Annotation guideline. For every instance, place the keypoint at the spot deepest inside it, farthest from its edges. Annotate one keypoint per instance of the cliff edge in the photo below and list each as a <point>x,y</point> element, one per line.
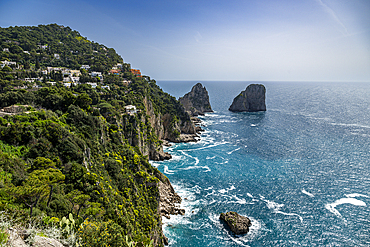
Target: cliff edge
<point>250,100</point>
<point>196,102</point>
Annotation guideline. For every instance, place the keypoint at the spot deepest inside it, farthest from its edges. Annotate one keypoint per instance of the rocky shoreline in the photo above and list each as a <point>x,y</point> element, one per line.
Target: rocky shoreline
<point>195,103</point>
<point>169,200</point>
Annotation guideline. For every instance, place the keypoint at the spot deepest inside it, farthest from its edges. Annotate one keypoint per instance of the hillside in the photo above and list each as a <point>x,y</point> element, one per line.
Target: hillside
<point>77,128</point>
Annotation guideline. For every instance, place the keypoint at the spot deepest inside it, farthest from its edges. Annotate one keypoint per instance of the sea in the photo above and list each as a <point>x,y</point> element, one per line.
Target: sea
<point>300,171</point>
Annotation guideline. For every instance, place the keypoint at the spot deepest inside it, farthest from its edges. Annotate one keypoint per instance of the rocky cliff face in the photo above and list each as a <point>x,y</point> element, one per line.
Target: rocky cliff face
<point>162,127</point>
<point>196,102</point>
<point>250,100</point>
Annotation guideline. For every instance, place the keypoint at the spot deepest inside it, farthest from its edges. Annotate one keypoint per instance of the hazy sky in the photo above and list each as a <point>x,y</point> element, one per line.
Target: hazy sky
<point>260,40</point>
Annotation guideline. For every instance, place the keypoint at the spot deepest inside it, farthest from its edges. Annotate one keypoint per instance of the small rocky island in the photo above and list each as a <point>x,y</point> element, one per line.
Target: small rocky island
<point>196,102</point>
<point>238,224</point>
<point>250,100</point>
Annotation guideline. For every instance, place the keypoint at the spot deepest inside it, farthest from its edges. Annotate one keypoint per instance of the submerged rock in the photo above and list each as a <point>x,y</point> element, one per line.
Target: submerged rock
<point>196,102</point>
<point>250,100</point>
<point>238,224</point>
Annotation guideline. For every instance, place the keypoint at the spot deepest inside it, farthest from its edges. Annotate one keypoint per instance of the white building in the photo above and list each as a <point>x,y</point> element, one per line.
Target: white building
<point>86,67</point>
<point>95,74</point>
<point>92,84</point>
<point>7,63</point>
<point>130,109</point>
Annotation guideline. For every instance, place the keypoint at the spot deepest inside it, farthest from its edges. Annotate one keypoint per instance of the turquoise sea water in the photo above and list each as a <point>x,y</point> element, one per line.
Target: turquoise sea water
<point>299,171</point>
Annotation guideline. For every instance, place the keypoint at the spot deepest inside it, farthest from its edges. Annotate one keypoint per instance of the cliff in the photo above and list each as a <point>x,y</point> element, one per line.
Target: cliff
<point>78,149</point>
<point>196,102</point>
<point>250,100</point>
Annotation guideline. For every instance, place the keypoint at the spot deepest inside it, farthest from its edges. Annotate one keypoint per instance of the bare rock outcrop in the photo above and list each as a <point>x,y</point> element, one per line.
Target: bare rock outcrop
<point>196,102</point>
<point>250,100</point>
<point>168,200</point>
<point>238,224</point>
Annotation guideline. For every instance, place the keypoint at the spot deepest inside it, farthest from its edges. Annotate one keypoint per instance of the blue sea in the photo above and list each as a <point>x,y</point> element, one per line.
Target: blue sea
<point>299,171</point>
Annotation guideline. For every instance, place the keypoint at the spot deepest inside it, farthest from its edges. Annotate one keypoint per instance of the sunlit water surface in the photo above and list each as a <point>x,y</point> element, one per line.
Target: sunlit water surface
<point>299,171</point>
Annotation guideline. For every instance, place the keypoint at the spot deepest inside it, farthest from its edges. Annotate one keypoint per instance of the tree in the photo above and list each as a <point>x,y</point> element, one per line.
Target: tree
<point>37,186</point>
<point>37,64</point>
<point>83,101</point>
<point>7,69</point>
<point>77,198</point>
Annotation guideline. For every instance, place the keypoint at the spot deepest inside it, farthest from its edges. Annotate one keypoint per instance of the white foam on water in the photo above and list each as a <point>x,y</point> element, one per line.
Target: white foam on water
<point>307,193</point>
<point>275,207</point>
<point>250,195</point>
<point>347,200</point>
<point>222,191</point>
<point>168,171</point>
<point>233,151</point>
<point>209,188</point>
<point>210,158</point>
<point>255,230</point>
<point>154,163</point>
<point>207,169</point>
<point>210,146</point>
<point>189,203</point>
<point>356,195</point>
<point>188,155</point>
<point>238,200</point>
<point>213,192</point>
<point>176,157</point>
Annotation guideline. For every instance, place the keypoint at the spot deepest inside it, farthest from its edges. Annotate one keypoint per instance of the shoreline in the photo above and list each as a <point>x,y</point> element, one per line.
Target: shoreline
<point>170,201</point>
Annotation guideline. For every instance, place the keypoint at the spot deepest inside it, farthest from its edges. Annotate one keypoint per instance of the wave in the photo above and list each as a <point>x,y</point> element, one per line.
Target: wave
<point>222,191</point>
<point>210,158</point>
<point>210,146</point>
<point>238,200</point>
<point>197,167</point>
<point>168,171</point>
<point>275,207</point>
<point>307,193</point>
<point>349,199</point>
<point>356,195</point>
<point>233,151</point>
<point>154,163</point>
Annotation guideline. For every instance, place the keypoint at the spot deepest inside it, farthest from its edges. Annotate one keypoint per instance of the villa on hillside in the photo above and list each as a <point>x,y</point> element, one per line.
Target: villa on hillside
<point>136,72</point>
<point>130,109</point>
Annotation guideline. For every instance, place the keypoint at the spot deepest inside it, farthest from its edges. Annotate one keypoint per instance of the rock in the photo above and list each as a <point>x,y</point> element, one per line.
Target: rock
<point>46,242</point>
<point>17,237</point>
<point>196,102</point>
<point>238,224</point>
<point>168,200</point>
<point>159,155</point>
<point>250,100</point>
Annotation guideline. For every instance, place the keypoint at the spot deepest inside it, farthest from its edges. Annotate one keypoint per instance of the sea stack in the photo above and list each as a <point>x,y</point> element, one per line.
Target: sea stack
<point>196,102</point>
<point>250,100</point>
<point>238,224</point>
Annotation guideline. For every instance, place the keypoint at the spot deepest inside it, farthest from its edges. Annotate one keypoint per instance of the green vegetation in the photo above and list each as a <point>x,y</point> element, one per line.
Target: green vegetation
<point>71,155</point>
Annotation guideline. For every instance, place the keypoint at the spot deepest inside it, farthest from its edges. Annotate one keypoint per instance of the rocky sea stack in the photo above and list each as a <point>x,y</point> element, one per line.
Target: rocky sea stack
<point>238,224</point>
<point>250,100</point>
<point>196,102</point>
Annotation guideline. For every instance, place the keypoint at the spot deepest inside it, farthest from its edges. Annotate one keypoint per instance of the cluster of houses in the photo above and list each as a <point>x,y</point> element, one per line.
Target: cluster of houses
<point>8,63</point>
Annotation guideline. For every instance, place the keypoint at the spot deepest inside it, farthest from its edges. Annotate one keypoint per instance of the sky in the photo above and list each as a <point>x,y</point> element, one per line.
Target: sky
<point>233,40</point>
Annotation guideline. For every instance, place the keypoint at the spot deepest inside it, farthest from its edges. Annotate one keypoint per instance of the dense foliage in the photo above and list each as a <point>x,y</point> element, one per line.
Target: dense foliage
<point>67,150</point>
<point>37,46</point>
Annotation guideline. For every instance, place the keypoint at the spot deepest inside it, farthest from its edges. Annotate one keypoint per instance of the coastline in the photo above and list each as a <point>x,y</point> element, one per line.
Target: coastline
<point>169,200</point>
